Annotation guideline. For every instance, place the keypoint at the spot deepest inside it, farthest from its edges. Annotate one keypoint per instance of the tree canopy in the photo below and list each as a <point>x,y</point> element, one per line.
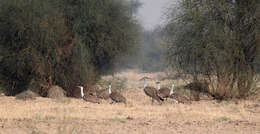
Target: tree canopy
<point>61,42</point>
<point>216,41</point>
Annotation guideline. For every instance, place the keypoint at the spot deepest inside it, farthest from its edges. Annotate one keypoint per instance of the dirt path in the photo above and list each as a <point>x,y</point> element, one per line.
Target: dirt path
<point>73,116</point>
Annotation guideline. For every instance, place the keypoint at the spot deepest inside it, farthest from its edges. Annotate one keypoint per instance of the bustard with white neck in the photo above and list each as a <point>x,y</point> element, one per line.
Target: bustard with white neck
<point>165,92</point>
<point>88,98</point>
<point>151,91</point>
<point>116,96</point>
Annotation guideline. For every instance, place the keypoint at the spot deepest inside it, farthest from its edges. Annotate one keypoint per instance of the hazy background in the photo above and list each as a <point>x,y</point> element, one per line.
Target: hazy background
<point>148,57</point>
<point>151,12</point>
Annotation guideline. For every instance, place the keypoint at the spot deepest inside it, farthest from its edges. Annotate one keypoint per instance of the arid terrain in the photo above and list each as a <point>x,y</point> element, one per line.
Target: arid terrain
<point>139,116</point>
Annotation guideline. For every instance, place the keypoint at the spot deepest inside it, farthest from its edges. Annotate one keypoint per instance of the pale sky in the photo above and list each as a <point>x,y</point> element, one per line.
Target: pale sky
<point>151,12</point>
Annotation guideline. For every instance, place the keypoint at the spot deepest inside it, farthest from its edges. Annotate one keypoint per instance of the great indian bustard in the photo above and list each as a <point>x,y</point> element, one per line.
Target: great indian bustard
<point>166,92</point>
<point>151,91</point>
<point>115,96</point>
<point>88,98</point>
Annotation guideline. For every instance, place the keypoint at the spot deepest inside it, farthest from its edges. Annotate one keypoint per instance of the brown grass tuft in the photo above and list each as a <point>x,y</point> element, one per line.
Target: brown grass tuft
<point>56,92</point>
<point>26,95</point>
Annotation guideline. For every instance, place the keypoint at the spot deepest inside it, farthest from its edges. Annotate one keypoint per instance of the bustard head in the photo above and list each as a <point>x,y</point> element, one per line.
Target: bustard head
<point>81,90</point>
<point>171,92</point>
<point>144,79</point>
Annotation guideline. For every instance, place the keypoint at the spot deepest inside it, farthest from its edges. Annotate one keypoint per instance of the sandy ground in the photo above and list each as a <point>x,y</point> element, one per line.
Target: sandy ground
<point>139,116</point>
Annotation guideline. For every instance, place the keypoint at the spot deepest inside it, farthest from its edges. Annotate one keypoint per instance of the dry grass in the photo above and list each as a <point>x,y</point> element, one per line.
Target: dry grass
<point>133,76</point>
<point>76,116</point>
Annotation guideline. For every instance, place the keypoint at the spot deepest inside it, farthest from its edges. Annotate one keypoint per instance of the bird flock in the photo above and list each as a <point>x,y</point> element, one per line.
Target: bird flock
<point>158,94</point>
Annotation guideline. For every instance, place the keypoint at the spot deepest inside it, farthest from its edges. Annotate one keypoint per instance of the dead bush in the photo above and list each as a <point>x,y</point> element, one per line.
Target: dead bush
<point>56,92</point>
<point>196,88</point>
<point>26,95</point>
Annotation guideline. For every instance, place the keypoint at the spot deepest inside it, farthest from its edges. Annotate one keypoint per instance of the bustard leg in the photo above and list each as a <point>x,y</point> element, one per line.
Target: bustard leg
<point>152,101</point>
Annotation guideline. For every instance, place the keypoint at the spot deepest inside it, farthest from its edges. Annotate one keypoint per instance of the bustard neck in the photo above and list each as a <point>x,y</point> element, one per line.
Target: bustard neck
<point>81,91</point>
<point>158,86</point>
<point>109,89</point>
<point>145,83</point>
<point>171,92</point>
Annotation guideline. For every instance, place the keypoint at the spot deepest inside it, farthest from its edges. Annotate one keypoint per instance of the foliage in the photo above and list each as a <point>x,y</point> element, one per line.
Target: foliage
<point>216,41</point>
<point>63,42</point>
<point>106,33</point>
<point>30,42</point>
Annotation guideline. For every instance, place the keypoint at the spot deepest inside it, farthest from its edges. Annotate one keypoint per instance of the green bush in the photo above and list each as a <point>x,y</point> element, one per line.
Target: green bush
<point>216,41</point>
<point>63,42</point>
